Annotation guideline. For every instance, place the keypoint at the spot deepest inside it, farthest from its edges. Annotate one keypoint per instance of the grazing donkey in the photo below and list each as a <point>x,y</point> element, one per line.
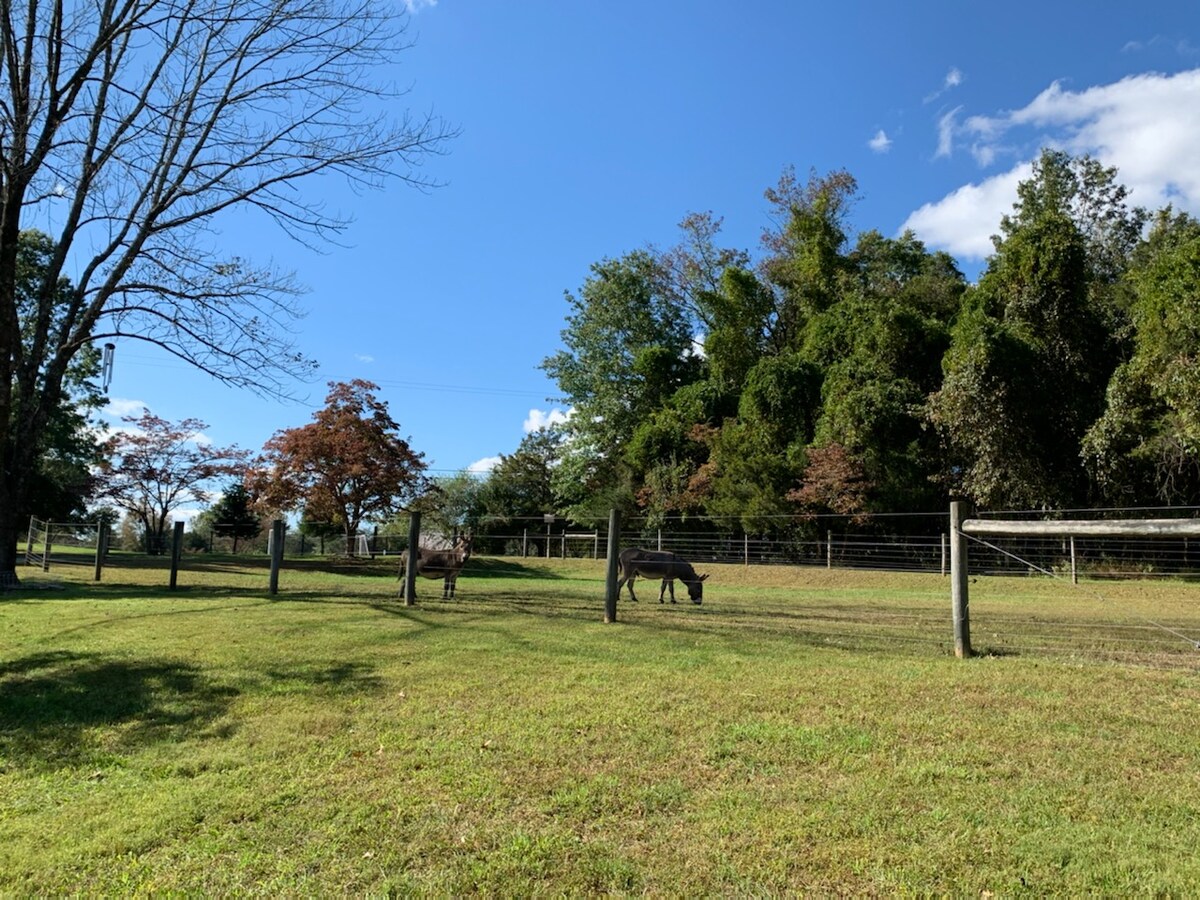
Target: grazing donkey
<point>444,564</point>
<point>659,564</point>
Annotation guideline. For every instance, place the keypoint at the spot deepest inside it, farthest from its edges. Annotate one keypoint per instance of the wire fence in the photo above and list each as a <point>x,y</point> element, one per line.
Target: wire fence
<point>1159,621</point>
<point>917,543</point>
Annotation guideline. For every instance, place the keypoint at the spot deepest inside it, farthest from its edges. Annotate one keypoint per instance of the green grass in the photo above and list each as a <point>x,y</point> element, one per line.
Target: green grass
<point>802,731</point>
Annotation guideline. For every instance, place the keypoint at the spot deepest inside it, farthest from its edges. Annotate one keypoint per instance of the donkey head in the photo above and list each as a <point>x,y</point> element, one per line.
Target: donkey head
<point>462,545</point>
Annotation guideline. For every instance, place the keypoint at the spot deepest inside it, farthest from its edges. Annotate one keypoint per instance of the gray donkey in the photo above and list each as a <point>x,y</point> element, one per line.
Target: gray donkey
<point>659,564</point>
<point>443,564</point>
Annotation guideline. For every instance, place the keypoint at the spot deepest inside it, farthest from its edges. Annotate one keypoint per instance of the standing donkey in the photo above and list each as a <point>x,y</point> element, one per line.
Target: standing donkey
<point>444,564</point>
<point>659,564</point>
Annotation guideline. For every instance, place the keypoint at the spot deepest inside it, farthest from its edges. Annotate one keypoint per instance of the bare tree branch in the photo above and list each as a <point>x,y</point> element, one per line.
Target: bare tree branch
<point>146,122</point>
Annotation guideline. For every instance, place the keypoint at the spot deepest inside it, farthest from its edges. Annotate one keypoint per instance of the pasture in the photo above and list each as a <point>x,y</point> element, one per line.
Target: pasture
<point>804,730</point>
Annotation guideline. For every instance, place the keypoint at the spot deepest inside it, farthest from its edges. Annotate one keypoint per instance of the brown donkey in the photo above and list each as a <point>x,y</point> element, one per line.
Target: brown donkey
<point>443,564</point>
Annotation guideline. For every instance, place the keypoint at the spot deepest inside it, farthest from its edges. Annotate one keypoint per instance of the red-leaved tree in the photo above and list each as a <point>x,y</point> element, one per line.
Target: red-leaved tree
<point>347,466</point>
<point>834,482</point>
<point>156,466</point>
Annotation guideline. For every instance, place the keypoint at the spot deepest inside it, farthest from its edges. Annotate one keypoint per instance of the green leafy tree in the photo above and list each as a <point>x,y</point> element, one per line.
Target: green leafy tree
<point>1028,366</point>
<point>628,346</point>
<point>781,398</point>
<point>806,250</point>
<point>742,316</point>
<point>881,346</point>
<point>520,486</point>
<point>1146,445</point>
<point>61,480</point>
<point>233,515</point>
<point>745,481</point>
<point>454,504</point>
<point>692,272</point>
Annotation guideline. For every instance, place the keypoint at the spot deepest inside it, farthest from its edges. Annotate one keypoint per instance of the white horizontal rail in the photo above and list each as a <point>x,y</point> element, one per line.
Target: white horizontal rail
<point>1165,528</point>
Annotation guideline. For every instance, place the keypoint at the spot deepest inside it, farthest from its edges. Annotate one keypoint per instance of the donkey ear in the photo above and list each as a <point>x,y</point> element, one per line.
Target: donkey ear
<point>702,577</point>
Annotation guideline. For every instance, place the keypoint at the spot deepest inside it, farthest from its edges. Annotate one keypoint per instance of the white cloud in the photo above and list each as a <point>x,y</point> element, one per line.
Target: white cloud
<point>415,6</point>
<point>946,129</point>
<point>118,407</point>
<point>952,80</point>
<point>364,358</point>
<point>1148,126</point>
<point>483,466</point>
<point>539,419</point>
<point>1180,46</point>
<point>964,221</point>
<point>187,516</point>
<point>881,143</point>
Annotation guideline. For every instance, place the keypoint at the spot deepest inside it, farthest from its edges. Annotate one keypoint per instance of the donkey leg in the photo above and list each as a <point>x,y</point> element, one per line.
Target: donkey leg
<point>628,581</point>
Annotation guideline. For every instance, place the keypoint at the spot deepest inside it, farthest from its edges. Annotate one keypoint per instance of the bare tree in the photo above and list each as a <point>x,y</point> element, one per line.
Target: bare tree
<point>158,466</point>
<point>145,121</point>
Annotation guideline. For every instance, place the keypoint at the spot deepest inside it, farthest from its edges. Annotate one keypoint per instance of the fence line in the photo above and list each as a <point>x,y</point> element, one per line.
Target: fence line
<point>917,544</point>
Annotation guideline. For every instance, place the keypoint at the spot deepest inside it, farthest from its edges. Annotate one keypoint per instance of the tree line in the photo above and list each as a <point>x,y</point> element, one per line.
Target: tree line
<point>756,395</point>
<point>839,377</point>
<point>831,376</point>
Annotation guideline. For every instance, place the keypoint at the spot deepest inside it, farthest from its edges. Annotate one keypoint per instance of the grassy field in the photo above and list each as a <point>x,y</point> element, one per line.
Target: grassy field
<point>804,730</point>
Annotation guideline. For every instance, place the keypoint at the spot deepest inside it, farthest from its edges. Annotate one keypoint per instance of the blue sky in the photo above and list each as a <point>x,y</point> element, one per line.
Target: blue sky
<point>591,129</point>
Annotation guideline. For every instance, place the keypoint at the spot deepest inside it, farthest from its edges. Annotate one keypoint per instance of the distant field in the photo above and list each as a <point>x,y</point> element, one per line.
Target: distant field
<point>804,730</point>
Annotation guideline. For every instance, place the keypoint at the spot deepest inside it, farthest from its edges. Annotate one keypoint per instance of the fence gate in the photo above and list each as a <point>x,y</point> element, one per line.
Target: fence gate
<point>63,543</point>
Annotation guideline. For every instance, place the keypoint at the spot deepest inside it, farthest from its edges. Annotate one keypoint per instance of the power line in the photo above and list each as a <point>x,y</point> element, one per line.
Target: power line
<point>152,362</point>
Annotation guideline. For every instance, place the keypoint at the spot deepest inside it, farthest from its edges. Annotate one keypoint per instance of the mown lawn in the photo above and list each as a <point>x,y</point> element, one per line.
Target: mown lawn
<point>803,731</point>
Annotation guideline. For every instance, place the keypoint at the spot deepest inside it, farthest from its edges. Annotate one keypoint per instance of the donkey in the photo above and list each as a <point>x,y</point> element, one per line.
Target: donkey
<point>659,564</point>
<point>444,564</point>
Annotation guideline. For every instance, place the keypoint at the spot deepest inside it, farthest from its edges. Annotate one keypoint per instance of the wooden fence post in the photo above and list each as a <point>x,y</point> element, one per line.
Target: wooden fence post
<point>958,581</point>
<point>101,548</point>
<point>410,563</point>
<point>277,534</point>
<point>1074,570</point>
<point>614,553</point>
<point>176,552</point>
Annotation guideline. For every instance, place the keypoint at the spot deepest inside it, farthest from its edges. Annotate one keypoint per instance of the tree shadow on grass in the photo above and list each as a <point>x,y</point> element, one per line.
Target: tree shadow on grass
<point>497,567</point>
<point>328,679</point>
<point>74,709</point>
